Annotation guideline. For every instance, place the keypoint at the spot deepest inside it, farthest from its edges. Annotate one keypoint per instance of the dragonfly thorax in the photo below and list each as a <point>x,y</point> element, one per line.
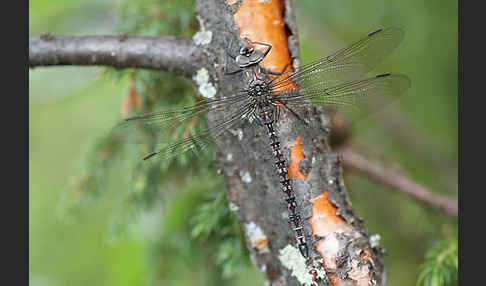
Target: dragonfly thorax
<point>259,88</point>
<point>260,94</point>
<point>259,91</point>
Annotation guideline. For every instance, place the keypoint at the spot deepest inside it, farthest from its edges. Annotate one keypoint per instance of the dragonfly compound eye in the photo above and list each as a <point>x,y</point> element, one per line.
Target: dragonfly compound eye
<point>246,51</point>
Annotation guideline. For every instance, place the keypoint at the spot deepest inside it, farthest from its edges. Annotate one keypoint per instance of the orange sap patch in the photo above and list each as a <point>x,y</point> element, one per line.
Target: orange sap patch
<point>296,155</point>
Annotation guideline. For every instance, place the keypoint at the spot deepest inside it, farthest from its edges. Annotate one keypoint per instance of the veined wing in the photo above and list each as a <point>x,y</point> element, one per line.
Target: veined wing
<point>198,141</point>
<point>359,97</point>
<point>347,64</point>
<point>177,131</point>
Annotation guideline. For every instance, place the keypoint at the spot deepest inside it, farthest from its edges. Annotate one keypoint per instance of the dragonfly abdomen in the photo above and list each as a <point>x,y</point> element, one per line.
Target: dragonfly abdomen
<point>289,196</point>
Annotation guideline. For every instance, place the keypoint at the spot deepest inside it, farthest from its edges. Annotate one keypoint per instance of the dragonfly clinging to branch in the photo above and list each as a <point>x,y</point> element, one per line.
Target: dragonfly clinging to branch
<point>335,80</point>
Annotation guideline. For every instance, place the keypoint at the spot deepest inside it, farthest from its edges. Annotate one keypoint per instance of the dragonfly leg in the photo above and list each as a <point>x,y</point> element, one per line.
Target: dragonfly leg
<point>279,73</point>
<point>269,47</point>
<point>234,72</point>
<point>293,112</point>
<point>228,52</point>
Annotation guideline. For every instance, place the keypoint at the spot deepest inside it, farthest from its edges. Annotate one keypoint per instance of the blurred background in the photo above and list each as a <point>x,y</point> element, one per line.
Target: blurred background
<point>98,218</point>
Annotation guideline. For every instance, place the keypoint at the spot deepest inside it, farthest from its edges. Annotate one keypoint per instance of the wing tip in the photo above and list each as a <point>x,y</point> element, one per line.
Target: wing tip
<point>150,156</point>
<point>406,79</point>
<point>392,29</point>
<point>384,75</point>
<point>375,32</point>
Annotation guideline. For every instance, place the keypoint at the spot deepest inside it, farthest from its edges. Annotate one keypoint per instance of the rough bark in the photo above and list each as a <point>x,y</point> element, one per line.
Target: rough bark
<point>247,166</point>
<point>179,56</point>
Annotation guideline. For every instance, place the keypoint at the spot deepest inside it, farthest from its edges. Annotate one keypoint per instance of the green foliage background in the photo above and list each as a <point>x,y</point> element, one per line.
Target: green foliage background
<point>97,217</point>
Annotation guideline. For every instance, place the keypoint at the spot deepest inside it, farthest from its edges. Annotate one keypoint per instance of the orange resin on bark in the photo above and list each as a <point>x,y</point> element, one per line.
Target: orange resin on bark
<point>132,100</point>
<point>296,155</point>
<point>324,217</point>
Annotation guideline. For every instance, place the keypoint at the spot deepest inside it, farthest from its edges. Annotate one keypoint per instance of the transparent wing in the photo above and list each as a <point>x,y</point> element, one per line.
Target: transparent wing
<point>358,98</point>
<point>177,131</point>
<point>347,64</point>
<point>198,141</point>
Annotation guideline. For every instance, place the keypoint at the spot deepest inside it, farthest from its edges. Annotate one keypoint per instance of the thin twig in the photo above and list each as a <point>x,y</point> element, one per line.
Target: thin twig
<point>179,56</point>
<point>398,182</point>
<point>403,128</point>
<point>399,126</point>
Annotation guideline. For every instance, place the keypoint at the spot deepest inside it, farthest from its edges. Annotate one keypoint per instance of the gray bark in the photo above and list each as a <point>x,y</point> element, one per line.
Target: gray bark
<point>179,56</point>
<point>248,168</point>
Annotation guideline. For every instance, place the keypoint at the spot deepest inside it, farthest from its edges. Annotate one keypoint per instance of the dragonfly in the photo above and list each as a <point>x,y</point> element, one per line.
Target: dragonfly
<point>335,80</point>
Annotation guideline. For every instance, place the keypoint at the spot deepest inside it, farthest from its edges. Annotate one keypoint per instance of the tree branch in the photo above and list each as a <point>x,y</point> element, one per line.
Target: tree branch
<point>175,55</point>
<point>397,181</point>
<point>400,126</point>
<point>339,244</point>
